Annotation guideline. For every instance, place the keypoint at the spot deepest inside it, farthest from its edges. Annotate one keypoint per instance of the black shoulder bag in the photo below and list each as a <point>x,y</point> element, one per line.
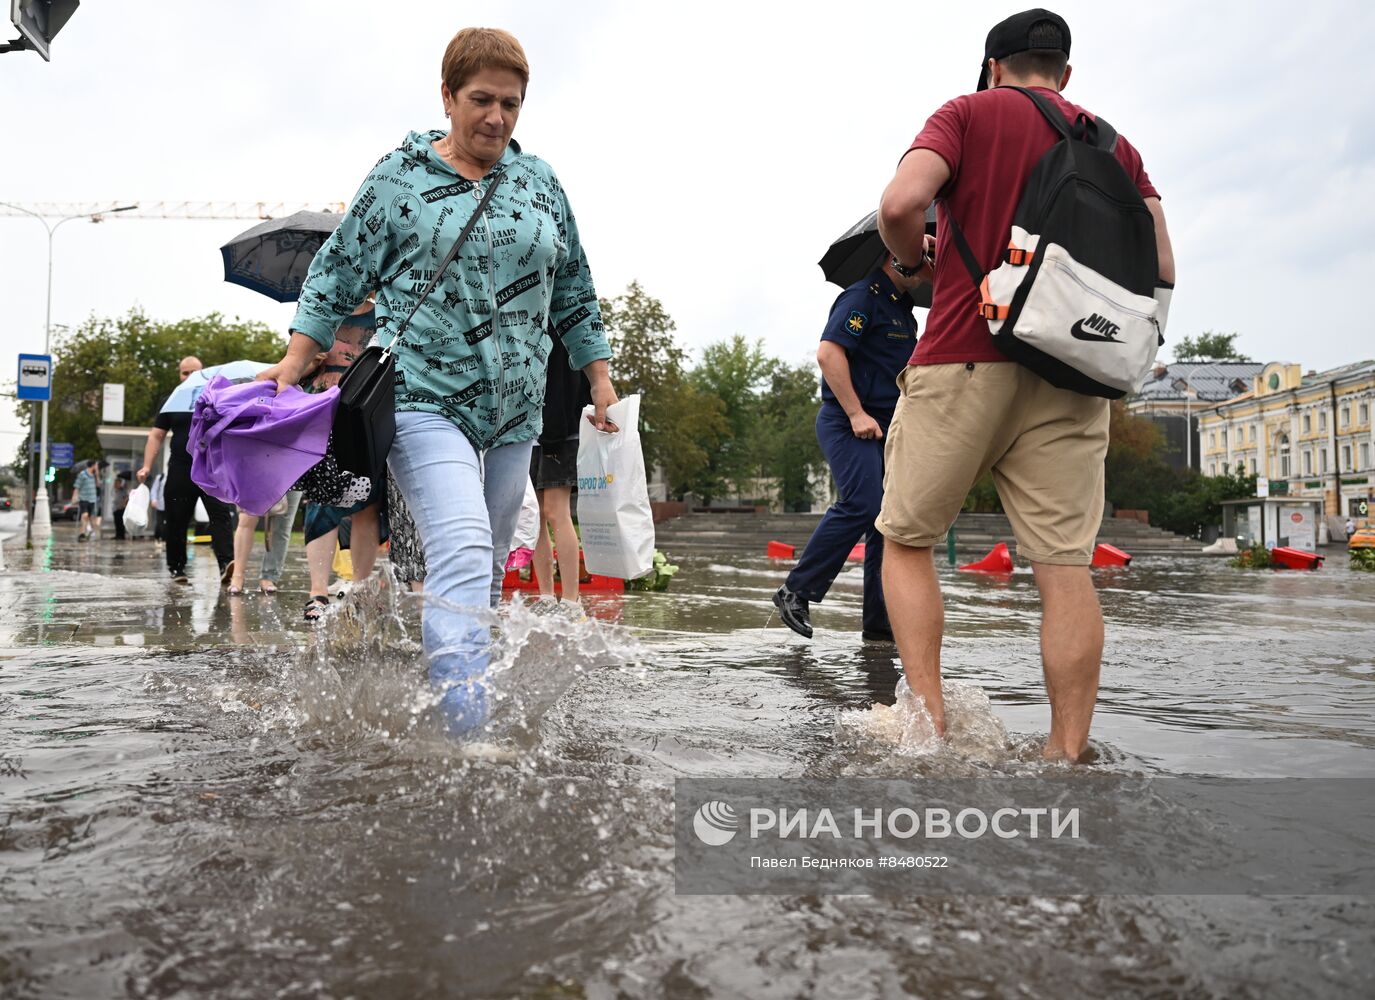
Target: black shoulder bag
<point>365,422</point>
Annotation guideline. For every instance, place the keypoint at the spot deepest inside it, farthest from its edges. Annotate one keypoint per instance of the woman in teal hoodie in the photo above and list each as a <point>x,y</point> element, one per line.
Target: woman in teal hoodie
<point>470,368</point>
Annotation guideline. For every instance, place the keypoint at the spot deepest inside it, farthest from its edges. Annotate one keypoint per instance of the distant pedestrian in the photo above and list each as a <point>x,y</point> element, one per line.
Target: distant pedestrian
<point>121,501</point>
<point>180,493</point>
<point>85,496</point>
<point>866,343</point>
<point>1350,527</point>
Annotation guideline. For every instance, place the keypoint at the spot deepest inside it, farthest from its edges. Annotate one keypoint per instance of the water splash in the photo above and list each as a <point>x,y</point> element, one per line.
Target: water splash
<point>364,672</point>
<point>971,729</point>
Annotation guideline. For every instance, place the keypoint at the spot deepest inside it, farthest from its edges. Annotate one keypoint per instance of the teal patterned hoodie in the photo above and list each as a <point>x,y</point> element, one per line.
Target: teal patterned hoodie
<point>476,350</point>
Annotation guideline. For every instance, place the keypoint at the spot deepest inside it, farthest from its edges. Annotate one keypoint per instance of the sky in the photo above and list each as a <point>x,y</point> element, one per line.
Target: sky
<point>711,151</point>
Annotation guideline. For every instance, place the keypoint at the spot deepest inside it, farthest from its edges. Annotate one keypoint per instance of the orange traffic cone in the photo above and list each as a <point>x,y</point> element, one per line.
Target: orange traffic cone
<point>857,553</point>
<point>997,561</point>
<point>1109,555</point>
<point>777,550</point>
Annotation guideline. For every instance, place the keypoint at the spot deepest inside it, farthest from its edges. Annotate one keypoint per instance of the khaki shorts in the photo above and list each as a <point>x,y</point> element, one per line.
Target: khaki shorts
<point>1045,447</point>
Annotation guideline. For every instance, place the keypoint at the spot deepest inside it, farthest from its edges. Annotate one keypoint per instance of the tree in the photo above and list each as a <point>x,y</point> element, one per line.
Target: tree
<point>681,425</point>
<point>737,372</point>
<point>142,355</point>
<point>793,456</point>
<point>1209,346</point>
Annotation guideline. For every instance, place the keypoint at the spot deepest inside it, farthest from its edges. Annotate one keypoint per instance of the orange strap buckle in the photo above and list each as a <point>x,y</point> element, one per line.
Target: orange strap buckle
<point>1018,257</point>
<point>989,309</point>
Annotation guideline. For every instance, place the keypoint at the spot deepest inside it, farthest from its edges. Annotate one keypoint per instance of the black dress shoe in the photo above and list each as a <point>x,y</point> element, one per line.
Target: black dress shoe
<point>792,608</point>
<point>878,635</point>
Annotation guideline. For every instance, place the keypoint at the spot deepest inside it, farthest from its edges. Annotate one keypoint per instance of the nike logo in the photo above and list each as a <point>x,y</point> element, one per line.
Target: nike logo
<point>1107,330</point>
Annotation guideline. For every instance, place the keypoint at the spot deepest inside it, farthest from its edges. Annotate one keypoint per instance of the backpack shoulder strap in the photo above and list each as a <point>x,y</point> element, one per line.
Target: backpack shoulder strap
<point>1049,111</point>
<point>1095,131</point>
<point>966,252</point>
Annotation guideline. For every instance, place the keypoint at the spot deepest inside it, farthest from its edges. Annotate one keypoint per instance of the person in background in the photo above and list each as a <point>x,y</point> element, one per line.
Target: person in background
<point>323,514</point>
<point>867,340</point>
<point>180,493</point>
<point>276,540</point>
<point>554,470</point>
<point>470,370</point>
<point>85,495</point>
<point>121,501</point>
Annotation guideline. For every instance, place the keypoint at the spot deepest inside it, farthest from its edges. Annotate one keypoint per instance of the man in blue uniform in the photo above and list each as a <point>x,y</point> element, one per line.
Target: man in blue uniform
<point>867,341</point>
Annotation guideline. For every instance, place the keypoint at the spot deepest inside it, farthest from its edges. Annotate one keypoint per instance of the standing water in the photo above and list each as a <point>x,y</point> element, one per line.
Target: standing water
<point>198,795</point>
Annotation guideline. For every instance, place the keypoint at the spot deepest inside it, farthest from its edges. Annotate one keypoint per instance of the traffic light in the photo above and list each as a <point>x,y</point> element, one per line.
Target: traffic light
<point>38,22</point>
<point>51,475</point>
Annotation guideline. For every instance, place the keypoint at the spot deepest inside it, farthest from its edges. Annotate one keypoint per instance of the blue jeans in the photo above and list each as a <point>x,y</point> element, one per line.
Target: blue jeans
<point>465,509</point>
<point>279,531</point>
<point>858,470</point>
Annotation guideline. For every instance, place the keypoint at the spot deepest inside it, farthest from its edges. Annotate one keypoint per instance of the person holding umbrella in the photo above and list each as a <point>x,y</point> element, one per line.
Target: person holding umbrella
<point>867,341</point>
<point>470,366</point>
<point>179,492</point>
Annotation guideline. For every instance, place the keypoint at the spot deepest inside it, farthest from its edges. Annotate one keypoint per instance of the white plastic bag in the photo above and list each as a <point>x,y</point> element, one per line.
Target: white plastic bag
<point>614,516</point>
<point>136,511</point>
<point>202,515</point>
<point>527,524</point>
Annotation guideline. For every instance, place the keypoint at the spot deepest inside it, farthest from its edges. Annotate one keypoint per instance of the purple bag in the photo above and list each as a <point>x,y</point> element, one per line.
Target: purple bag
<point>249,446</point>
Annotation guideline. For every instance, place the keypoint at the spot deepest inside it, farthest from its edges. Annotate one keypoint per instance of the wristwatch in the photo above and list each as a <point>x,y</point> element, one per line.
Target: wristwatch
<point>903,269</point>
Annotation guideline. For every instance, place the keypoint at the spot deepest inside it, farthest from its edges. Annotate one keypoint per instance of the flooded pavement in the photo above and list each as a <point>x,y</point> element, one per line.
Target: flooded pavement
<point>197,799</point>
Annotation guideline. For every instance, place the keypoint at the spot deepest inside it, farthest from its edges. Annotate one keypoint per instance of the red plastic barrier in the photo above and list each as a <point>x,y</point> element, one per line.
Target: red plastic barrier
<point>1295,558</point>
<point>997,561</point>
<point>777,550</point>
<point>857,553</point>
<point>512,581</point>
<point>1110,555</point>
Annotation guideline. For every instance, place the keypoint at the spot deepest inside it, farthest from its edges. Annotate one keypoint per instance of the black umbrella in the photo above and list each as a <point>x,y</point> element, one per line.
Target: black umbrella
<point>274,256</point>
<point>859,252</point>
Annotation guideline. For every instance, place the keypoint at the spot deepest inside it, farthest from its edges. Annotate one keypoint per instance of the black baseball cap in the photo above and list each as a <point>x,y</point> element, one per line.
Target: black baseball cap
<point>1014,35</point>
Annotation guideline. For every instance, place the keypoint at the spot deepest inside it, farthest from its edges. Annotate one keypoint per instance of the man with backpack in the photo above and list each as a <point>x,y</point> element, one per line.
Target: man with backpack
<point>1064,281</point>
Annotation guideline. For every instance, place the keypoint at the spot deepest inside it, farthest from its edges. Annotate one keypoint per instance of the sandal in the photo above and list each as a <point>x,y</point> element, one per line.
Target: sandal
<point>315,607</point>
<point>227,573</point>
<point>267,587</point>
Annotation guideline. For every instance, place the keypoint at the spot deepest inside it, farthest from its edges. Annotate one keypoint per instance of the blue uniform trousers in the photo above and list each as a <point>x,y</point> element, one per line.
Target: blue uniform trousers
<point>858,470</point>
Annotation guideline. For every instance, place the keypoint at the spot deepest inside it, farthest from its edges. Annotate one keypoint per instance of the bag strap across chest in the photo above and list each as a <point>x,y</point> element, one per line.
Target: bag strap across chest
<point>448,259</point>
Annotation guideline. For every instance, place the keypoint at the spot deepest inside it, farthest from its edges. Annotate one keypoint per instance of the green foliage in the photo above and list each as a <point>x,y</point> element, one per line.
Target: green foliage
<point>1256,557</point>
<point>657,579</point>
<point>983,498</point>
<point>1209,346</point>
<point>1138,478</point>
<point>737,372</point>
<point>142,354</point>
<point>1362,560</point>
<point>681,425</point>
<point>734,419</point>
<point>792,453</point>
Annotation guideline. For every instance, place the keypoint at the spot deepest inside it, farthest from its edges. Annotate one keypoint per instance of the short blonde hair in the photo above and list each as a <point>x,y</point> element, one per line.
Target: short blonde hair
<point>475,49</point>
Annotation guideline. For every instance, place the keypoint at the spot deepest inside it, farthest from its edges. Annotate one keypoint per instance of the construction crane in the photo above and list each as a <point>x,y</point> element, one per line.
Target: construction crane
<point>100,211</point>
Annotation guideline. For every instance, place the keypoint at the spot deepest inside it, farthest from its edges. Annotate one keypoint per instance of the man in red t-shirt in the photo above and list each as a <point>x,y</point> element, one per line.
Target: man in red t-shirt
<point>966,410</point>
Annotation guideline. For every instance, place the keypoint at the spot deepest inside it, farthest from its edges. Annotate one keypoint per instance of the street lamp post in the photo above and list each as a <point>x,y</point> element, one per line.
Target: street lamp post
<point>40,517</point>
<point>1183,384</point>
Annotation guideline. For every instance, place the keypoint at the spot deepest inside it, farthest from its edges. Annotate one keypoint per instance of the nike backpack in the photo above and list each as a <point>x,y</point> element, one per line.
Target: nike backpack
<point>1075,296</point>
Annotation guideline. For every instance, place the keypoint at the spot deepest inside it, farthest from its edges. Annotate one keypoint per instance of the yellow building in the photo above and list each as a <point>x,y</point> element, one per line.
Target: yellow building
<point>1310,434</point>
